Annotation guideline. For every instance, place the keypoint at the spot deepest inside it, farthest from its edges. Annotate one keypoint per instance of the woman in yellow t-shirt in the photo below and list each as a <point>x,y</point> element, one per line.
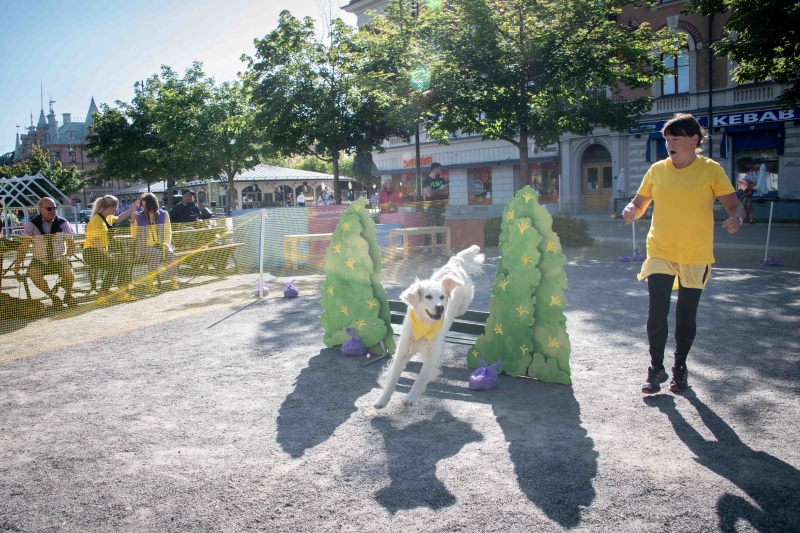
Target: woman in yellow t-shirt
<point>95,249</point>
<point>680,244</point>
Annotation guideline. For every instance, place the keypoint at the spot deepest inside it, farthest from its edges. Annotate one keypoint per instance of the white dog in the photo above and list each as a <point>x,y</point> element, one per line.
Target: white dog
<point>433,304</point>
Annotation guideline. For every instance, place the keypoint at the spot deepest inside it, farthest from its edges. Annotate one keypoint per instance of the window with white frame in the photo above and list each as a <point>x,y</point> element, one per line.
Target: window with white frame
<point>678,82</point>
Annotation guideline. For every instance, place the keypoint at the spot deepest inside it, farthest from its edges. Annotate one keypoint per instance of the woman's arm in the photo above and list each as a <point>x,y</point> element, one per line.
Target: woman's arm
<point>636,208</point>
<point>127,213</point>
<point>735,211</point>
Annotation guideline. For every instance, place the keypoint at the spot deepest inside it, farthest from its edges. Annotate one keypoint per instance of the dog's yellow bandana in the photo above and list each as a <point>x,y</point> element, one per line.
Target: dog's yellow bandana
<point>421,329</point>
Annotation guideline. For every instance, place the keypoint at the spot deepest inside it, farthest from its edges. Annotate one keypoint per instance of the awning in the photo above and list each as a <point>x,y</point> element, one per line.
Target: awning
<point>754,137</point>
<point>655,137</point>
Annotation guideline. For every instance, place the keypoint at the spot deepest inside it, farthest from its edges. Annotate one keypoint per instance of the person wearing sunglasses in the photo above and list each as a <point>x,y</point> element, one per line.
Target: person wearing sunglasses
<point>50,235</point>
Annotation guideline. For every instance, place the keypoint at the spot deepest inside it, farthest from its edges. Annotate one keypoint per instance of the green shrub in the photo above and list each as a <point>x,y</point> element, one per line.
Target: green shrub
<point>572,231</point>
<point>491,231</point>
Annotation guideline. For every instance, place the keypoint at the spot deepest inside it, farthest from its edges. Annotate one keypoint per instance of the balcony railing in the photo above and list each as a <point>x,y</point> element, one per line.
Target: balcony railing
<point>753,94</point>
<point>677,103</point>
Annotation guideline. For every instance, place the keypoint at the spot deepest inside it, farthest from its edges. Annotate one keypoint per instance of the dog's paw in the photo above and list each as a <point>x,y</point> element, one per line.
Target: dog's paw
<point>409,400</point>
<point>381,403</point>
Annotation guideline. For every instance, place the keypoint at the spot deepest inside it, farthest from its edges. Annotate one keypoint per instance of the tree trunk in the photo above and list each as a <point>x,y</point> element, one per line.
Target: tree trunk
<point>170,187</point>
<point>231,193</point>
<point>524,168</point>
<point>336,187</point>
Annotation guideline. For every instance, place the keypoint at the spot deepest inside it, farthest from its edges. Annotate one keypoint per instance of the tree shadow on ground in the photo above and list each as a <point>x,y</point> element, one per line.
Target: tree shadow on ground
<point>414,482</point>
<point>323,398</point>
<point>773,484</point>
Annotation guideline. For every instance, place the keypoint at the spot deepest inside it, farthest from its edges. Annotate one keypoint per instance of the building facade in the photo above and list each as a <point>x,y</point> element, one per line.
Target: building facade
<point>579,174</point>
<point>65,144</point>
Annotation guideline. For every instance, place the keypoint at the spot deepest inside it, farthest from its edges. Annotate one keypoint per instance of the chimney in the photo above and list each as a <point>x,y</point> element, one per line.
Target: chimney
<point>67,117</point>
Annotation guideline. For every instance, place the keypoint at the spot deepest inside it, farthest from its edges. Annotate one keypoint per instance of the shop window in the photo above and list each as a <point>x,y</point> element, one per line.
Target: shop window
<point>479,181</point>
<point>749,163</point>
<point>679,82</point>
<point>544,179</point>
<point>72,157</point>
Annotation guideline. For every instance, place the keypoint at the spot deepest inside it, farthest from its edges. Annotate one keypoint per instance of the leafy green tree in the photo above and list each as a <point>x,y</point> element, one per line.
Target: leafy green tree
<point>315,97</point>
<point>211,126</point>
<point>526,328</point>
<point>526,69</point>
<point>352,294</point>
<point>130,145</point>
<point>766,42</point>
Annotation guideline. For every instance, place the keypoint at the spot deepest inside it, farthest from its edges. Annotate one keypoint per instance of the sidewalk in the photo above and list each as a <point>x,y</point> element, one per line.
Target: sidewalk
<point>783,237</point>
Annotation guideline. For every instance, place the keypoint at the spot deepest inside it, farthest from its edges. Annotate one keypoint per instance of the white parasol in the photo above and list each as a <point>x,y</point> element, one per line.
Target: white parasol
<point>761,183</point>
<point>622,182</point>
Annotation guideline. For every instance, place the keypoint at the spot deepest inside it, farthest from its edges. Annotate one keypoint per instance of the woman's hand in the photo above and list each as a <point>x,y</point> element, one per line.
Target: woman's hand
<point>629,213</point>
<point>732,224</point>
<point>636,208</point>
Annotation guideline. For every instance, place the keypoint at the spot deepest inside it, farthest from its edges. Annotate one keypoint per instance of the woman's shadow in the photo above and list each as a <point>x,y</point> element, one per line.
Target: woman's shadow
<point>771,483</point>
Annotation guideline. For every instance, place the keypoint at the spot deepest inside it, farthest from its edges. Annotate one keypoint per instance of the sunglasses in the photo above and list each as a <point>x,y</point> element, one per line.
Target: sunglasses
<point>50,208</point>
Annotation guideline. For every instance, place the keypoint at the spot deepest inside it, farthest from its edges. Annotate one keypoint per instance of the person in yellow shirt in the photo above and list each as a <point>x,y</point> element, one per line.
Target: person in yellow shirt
<point>680,244</point>
<point>153,236</point>
<point>96,252</point>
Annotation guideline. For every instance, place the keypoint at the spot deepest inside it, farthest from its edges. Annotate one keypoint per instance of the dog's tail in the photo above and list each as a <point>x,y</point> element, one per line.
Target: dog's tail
<point>472,259</point>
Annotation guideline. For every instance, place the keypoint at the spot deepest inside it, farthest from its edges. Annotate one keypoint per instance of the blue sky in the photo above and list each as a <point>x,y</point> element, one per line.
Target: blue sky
<point>100,48</point>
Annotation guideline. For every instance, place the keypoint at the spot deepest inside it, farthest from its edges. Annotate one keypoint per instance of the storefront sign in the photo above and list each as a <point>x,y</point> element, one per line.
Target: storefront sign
<point>477,187</point>
<point>726,119</point>
<point>423,161</point>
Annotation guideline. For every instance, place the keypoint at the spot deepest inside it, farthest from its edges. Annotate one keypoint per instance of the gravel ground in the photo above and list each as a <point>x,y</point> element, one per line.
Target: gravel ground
<point>233,416</point>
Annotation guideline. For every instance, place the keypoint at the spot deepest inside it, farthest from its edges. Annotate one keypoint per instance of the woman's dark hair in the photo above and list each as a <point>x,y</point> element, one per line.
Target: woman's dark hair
<point>685,125</point>
<point>150,202</point>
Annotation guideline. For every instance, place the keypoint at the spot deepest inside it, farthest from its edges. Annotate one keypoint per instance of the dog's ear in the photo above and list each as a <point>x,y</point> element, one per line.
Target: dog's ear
<point>450,284</point>
<point>411,295</point>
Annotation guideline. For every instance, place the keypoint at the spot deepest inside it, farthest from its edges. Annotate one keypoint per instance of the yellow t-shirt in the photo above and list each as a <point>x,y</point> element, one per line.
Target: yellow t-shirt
<point>682,229</point>
<point>96,229</point>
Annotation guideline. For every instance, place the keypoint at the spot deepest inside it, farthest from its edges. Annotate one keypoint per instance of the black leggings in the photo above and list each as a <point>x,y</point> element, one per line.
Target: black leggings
<point>660,289</point>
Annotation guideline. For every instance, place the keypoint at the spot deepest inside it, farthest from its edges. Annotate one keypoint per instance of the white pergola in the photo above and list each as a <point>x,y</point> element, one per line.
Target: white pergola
<point>24,193</point>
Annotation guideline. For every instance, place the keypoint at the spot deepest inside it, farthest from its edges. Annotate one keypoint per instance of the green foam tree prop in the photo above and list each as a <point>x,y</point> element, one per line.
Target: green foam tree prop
<point>527,329</point>
<point>352,294</point>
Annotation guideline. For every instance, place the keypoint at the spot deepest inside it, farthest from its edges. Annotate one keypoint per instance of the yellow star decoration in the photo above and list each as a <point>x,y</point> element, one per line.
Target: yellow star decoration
<point>552,343</point>
<point>526,259</point>
<point>498,329</point>
<point>528,196</point>
<point>510,215</point>
<point>522,310</point>
<point>554,300</point>
<point>475,353</point>
<point>346,226</point>
<point>337,249</point>
<point>356,207</point>
<point>371,303</point>
<point>551,247</point>
<point>329,290</point>
<point>503,284</point>
<point>361,243</point>
<point>351,262</point>
<point>524,349</point>
<point>522,225</point>
<point>360,324</point>
<point>343,309</point>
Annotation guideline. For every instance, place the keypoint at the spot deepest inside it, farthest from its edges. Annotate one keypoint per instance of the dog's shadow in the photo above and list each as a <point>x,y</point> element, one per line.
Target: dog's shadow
<point>554,459</point>
<point>412,454</point>
<point>773,484</point>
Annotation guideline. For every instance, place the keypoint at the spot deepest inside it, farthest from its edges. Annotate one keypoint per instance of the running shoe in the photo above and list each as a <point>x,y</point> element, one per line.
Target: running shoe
<point>654,380</point>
